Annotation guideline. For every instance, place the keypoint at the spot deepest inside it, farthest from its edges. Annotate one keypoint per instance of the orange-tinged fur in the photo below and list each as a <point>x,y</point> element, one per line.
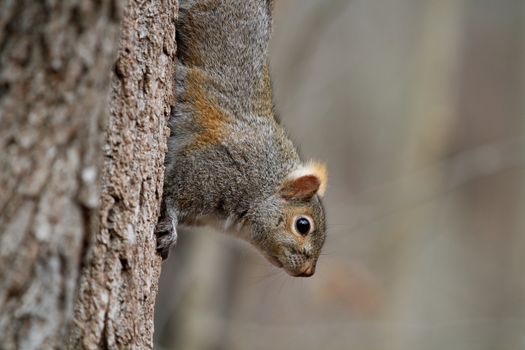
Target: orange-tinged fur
<point>302,187</point>
<point>292,213</point>
<point>208,116</point>
<point>313,168</point>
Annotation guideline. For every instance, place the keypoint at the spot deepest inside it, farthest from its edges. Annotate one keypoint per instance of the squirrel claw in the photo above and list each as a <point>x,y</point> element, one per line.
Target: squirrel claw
<point>166,237</point>
<point>165,240</point>
<point>163,252</point>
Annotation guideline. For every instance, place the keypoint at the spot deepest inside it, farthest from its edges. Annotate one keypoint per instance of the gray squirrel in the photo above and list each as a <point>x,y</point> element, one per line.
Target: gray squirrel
<point>230,163</point>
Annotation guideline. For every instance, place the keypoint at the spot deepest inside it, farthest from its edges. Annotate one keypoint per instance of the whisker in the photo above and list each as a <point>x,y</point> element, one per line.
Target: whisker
<point>257,280</point>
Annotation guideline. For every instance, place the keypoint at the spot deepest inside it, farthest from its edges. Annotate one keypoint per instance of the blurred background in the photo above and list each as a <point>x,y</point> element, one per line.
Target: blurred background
<point>418,108</point>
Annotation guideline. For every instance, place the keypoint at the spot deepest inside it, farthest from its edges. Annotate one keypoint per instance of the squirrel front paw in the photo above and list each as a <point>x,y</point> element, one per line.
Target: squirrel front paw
<point>166,237</point>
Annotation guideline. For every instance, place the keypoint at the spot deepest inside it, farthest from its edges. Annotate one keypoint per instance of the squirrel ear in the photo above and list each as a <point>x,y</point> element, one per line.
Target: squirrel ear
<point>305,182</point>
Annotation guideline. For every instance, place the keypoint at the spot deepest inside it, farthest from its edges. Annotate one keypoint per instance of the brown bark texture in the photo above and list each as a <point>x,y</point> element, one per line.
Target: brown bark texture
<point>119,284</point>
<point>55,60</point>
<point>69,246</point>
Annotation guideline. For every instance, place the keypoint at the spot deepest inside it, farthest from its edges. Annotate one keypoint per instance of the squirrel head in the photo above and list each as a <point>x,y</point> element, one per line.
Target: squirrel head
<point>289,226</point>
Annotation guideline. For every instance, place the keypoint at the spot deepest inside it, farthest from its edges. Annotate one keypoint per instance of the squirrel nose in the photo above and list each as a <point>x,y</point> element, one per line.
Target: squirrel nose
<point>309,271</point>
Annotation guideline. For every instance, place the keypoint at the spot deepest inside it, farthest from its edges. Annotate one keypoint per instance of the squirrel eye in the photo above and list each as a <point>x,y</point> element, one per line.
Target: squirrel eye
<point>303,225</point>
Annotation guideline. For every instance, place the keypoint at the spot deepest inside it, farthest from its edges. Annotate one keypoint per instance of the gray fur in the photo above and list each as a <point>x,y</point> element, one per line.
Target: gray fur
<point>235,180</point>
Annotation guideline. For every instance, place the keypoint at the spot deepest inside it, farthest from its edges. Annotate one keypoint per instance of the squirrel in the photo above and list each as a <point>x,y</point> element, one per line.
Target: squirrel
<point>230,163</point>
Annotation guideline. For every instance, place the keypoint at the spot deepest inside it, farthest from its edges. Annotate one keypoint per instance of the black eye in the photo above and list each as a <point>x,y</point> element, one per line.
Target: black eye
<point>302,225</point>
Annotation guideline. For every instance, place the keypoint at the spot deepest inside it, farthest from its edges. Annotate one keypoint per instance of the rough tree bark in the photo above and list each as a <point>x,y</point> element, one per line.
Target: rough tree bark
<point>55,63</point>
<point>118,288</point>
<point>55,59</point>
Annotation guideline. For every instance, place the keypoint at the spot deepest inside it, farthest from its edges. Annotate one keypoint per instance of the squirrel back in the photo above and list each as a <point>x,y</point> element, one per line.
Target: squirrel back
<point>229,162</point>
<point>229,41</point>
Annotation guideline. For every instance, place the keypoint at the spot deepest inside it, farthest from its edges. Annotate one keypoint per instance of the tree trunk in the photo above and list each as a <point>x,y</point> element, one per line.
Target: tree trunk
<point>58,236</point>
<point>55,59</point>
